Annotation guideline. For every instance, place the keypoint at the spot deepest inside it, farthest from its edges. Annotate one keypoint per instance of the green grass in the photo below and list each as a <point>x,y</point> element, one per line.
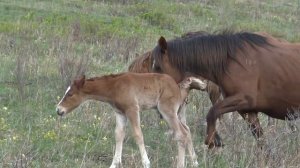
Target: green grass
<point>45,44</point>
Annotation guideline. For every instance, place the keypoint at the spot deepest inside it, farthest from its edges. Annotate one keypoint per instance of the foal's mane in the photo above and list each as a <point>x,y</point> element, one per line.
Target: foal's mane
<point>105,77</point>
<point>208,53</point>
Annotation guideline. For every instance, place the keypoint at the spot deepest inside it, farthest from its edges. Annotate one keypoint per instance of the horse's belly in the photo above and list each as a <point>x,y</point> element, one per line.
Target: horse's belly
<point>280,98</point>
<point>283,110</point>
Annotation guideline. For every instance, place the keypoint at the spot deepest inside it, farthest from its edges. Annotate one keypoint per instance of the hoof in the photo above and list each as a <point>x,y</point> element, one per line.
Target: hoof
<point>195,164</point>
<point>216,143</point>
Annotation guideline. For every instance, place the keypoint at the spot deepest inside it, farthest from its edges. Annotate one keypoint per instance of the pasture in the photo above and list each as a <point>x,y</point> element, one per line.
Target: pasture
<point>44,45</point>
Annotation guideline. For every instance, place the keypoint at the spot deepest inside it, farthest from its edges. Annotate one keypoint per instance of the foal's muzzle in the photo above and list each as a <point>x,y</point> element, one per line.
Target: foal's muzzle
<point>60,112</point>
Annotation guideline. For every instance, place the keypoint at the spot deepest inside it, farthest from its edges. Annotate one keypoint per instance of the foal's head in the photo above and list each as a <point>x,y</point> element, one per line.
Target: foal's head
<point>73,97</point>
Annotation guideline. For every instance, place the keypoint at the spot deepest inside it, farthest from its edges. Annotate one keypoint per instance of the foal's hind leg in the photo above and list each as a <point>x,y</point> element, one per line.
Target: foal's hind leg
<point>121,121</point>
<point>134,117</point>
<point>181,134</point>
<point>181,115</point>
<point>182,110</point>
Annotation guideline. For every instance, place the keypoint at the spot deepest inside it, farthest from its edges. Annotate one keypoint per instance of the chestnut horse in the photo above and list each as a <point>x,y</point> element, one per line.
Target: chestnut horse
<point>129,93</point>
<point>256,73</point>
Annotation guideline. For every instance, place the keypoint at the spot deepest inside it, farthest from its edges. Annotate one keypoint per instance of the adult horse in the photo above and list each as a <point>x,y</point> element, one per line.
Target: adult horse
<point>143,64</point>
<point>256,73</point>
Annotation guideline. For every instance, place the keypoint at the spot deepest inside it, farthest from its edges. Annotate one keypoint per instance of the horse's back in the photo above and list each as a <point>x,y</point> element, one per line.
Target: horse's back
<point>274,79</point>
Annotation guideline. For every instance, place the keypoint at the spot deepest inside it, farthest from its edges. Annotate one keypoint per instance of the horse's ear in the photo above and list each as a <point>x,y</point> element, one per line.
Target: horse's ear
<point>146,61</point>
<point>162,43</point>
<point>80,82</point>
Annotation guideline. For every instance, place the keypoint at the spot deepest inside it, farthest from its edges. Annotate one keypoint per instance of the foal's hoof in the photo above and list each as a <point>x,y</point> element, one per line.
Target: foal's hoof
<point>116,165</point>
<point>195,164</point>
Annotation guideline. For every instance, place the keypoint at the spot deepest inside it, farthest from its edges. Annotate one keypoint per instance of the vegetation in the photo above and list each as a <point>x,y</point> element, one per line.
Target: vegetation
<point>46,44</point>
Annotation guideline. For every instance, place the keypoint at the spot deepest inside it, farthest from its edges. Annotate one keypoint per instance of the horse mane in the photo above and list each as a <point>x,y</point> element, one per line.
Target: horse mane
<point>137,65</point>
<point>105,77</point>
<point>208,53</point>
<point>193,34</point>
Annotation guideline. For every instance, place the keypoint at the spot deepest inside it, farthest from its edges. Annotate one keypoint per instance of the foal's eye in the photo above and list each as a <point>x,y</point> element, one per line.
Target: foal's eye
<point>70,94</point>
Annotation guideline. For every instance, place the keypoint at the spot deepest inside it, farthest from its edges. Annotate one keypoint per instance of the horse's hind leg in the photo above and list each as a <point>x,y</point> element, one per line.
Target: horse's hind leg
<point>181,134</point>
<point>121,121</point>
<point>134,117</point>
<point>253,122</point>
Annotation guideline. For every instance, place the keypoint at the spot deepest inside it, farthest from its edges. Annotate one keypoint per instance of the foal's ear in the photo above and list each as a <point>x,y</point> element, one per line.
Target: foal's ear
<point>162,43</point>
<point>80,82</point>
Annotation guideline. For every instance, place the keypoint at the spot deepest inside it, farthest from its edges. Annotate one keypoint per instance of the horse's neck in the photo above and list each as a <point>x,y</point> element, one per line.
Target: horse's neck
<point>100,89</point>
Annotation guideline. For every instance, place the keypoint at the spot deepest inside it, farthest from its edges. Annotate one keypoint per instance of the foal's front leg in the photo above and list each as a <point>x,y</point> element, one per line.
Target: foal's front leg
<point>134,117</point>
<point>121,121</point>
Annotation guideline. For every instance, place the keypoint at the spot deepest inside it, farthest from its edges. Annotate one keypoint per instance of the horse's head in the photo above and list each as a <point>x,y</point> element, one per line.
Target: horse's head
<point>142,64</point>
<point>73,97</point>
<point>161,63</point>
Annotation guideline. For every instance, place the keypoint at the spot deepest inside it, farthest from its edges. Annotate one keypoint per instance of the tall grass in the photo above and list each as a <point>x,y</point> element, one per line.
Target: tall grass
<point>44,45</point>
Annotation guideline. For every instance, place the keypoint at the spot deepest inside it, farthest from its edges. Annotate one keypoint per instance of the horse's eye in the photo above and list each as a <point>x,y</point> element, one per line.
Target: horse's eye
<point>69,94</point>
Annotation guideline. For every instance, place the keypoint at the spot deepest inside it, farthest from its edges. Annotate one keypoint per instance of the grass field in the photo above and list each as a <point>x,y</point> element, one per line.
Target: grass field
<point>45,44</point>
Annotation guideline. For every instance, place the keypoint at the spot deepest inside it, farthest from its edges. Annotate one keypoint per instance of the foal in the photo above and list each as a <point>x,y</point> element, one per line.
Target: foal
<point>129,93</point>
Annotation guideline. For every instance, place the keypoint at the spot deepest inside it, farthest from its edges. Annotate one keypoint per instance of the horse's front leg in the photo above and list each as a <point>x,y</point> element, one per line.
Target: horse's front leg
<point>134,117</point>
<point>121,121</point>
<point>229,104</point>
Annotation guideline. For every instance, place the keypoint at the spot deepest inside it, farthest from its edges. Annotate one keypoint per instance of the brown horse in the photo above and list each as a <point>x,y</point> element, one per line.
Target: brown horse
<point>129,93</point>
<point>256,73</point>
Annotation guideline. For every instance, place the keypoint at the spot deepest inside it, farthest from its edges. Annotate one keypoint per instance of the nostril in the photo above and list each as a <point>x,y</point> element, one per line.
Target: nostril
<point>59,112</point>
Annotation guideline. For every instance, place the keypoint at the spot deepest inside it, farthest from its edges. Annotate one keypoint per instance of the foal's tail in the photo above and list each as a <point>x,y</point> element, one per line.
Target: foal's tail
<point>188,82</point>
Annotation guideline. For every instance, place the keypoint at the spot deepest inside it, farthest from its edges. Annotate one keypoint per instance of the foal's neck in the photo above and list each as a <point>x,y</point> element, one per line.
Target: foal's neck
<point>99,89</point>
